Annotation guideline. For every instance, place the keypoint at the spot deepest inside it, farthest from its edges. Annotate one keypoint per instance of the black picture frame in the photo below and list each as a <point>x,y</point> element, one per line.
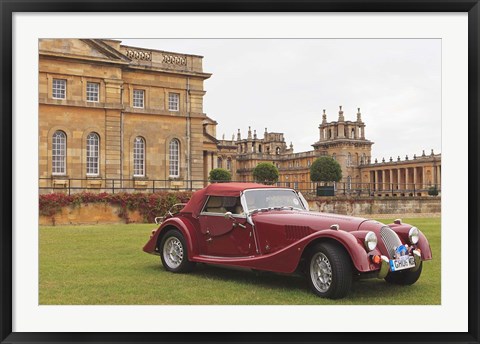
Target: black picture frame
<point>9,7</point>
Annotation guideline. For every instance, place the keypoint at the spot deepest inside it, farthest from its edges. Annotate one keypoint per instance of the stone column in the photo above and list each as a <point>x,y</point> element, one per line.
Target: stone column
<point>390,171</point>
<point>399,178</point>
<point>415,178</point>
<point>383,180</point>
<point>403,179</point>
<point>379,180</point>
<point>407,179</point>
<point>439,175</point>
<point>423,177</point>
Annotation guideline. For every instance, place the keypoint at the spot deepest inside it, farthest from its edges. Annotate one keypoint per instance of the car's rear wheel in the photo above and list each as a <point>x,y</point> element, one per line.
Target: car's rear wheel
<point>174,253</point>
<point>404,277</point>
<point>330,271</point>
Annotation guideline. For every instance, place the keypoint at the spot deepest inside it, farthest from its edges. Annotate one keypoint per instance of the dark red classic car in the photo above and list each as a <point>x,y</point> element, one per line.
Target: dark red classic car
<point>269,228</point>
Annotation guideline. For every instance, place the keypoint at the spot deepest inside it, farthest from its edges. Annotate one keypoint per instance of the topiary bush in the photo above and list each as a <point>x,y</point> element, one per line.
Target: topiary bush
<point>265,173</point>
<point>219,175</point>
<point>325,169</point>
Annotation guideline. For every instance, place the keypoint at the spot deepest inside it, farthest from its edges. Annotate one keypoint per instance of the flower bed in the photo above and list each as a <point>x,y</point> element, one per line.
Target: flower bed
<point>148,205</point>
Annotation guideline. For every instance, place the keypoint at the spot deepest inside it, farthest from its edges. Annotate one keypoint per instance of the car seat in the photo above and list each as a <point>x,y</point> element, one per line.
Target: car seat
<point>215,205</point>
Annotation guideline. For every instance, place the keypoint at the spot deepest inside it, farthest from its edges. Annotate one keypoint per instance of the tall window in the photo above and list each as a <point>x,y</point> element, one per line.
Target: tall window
<point>219,162</point>
<point>229,164</point>
<point>59,149</point>
<point>93,154</point>
<point>138,98</point>
<point>139,157</point>
<point>59,88</point>
<point>173,101</point>
<point>174,158</point>
<point>349,159</point>
<point>93,90</point>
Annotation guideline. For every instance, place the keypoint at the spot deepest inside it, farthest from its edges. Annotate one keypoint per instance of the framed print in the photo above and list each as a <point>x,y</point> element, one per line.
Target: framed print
<point>80,118</point>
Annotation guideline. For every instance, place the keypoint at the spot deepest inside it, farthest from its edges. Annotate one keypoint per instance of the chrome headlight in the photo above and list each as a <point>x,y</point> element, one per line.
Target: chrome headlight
<point>370,241</point>
<point>414,235</point>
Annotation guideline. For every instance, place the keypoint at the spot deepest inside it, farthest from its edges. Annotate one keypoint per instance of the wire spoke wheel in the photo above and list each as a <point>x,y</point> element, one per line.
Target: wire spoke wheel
<point>330,270</point>
<point>321,272</point>
<point>173,252</point>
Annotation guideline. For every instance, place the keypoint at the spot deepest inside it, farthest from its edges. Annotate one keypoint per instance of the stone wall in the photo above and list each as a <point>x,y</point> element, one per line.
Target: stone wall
<point>370,206</point>
<point>90,214</point>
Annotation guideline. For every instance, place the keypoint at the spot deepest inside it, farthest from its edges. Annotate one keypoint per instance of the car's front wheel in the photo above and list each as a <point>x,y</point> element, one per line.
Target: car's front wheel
<point>404,277</point>
<point>174,253</point>
<point>330,271</point>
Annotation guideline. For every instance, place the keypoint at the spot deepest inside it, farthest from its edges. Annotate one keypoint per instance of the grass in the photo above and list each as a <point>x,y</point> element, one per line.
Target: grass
<point>105,264</point>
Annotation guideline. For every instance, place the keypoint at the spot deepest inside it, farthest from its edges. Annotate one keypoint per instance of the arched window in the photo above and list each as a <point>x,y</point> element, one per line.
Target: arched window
<point>349,159</point>
<point>174,158</point>
<point>334,156</point>
<point>139,157</point>
<point>93,154</point>
<point>277,150</point>
<point>259,148</point>
<point>349,183</point>
<point>229,164</point>
<point>59,153</point>
<point>219,162</point>
<point>352,134</point>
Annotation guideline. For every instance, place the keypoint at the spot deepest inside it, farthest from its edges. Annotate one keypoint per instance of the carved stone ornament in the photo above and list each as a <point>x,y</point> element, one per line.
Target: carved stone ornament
<point>175,60</point>
<point>139,55</point>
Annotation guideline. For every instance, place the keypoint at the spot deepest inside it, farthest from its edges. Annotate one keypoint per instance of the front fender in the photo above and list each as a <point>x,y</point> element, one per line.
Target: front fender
<point>183,225</point>
<point>350,241</point>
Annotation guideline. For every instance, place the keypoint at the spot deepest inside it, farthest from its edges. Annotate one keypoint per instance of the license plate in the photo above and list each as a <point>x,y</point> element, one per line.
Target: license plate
<point>402,263</point>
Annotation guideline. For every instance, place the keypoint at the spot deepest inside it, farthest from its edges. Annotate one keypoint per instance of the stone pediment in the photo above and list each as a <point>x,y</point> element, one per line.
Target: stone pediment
<point>92,49</point>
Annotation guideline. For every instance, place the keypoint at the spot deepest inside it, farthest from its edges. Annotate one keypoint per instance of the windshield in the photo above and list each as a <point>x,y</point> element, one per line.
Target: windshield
<point>258,199</point>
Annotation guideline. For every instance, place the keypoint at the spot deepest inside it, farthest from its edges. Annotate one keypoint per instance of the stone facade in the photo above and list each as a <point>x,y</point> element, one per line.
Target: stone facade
<point>98,99</point>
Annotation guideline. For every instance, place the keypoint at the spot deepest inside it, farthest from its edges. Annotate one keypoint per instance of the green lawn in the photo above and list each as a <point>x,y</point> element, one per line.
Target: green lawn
<point>105,264</point>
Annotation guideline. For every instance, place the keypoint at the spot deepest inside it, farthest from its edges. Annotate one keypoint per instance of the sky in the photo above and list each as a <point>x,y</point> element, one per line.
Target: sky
<point>284,85</point>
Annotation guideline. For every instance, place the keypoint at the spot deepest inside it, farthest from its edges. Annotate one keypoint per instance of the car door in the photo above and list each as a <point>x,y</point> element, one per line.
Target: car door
<point>225,237</point>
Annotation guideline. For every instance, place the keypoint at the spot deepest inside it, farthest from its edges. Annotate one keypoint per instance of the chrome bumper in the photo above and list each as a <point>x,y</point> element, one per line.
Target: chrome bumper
<point>418,258</point>
<point>384,267</point>
<point>385,264</point>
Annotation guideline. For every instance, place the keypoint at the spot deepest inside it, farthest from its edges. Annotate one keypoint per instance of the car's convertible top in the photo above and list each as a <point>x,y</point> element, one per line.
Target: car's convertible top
<point>198,199</point>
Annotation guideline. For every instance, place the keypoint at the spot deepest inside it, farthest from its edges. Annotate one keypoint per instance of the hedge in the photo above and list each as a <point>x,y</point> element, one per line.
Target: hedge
<point>149,205</point>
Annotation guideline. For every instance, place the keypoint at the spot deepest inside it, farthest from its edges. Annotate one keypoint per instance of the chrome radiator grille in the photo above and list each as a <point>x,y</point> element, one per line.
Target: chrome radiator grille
<point>390,239</point>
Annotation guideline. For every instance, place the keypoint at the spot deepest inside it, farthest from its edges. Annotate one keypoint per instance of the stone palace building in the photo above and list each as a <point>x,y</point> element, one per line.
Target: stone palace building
<point>115,117</point>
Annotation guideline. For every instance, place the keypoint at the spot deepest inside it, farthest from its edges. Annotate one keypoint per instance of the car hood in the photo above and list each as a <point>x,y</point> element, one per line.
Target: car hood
<point>314,220</point>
